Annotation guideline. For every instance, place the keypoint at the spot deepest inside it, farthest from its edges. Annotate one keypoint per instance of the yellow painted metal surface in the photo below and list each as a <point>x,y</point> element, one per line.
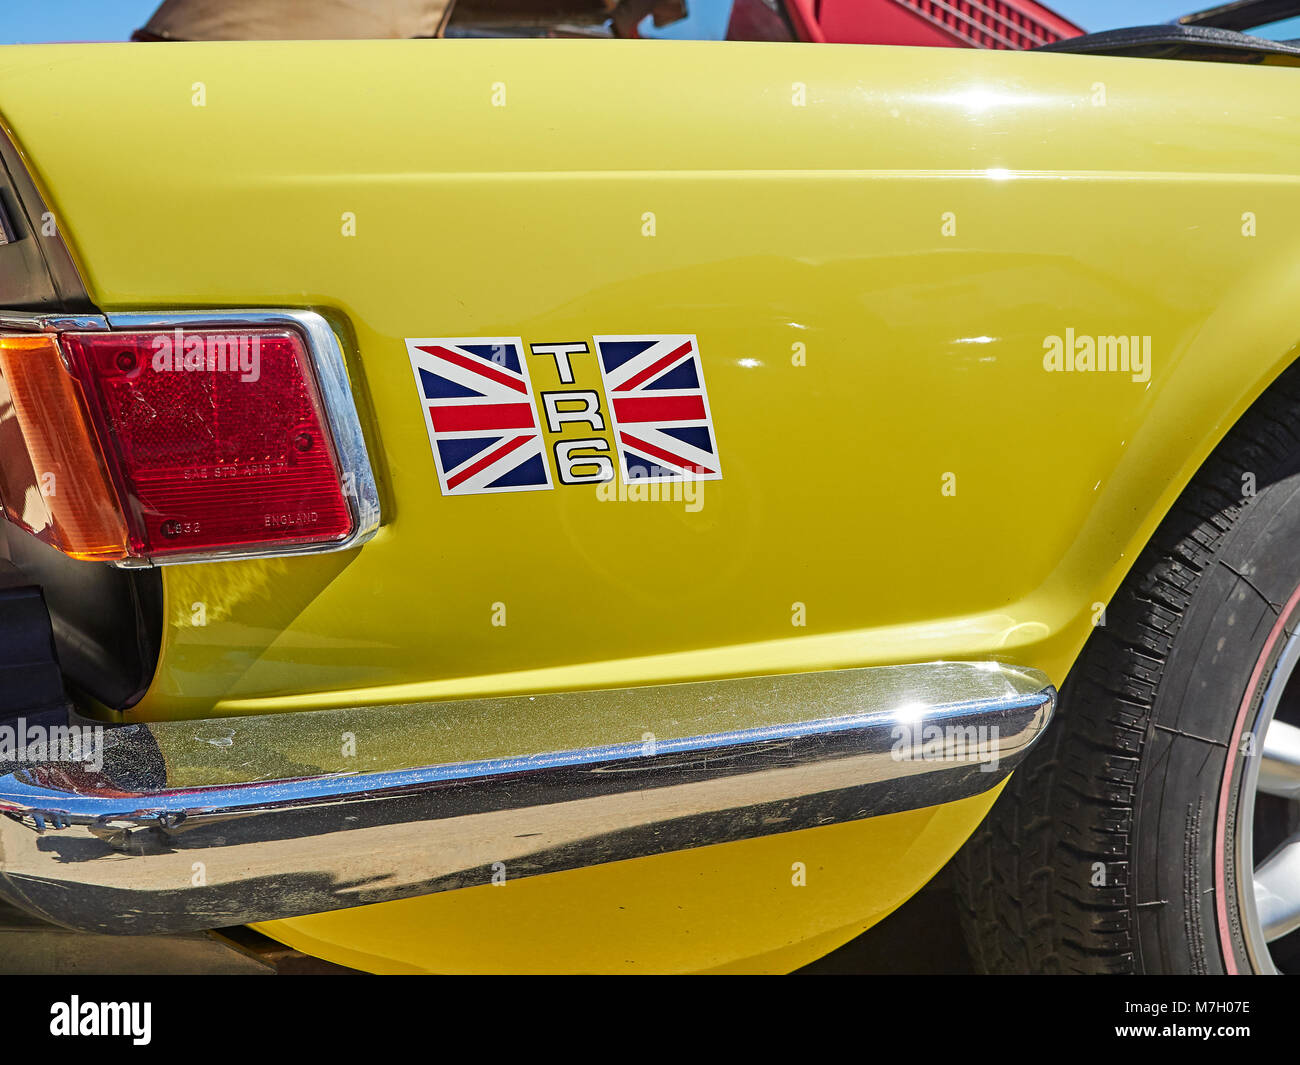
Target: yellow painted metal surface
<point>764,905</point>
<point>874,247</point>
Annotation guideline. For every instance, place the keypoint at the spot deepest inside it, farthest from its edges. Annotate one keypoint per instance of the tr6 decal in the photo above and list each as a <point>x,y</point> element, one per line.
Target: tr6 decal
<point>655,388</point>
<point>478,409</point>
<point>485,418</point>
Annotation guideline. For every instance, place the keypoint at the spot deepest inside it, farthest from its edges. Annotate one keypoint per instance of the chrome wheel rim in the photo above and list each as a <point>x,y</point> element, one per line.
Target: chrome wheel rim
<point>1267,846</point>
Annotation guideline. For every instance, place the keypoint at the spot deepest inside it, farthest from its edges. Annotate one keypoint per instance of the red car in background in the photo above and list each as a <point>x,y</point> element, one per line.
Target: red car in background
<point>945,23</point>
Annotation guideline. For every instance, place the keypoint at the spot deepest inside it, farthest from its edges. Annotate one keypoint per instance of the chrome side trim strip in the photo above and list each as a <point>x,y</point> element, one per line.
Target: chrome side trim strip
<point>22,322</point>
<point>340,412</point>
<point>282,830</point>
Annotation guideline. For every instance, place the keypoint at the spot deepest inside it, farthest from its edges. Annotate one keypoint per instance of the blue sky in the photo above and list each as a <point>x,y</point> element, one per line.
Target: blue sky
<point>1097,15</point>
<point>73,20</point>
<point>113,20</point>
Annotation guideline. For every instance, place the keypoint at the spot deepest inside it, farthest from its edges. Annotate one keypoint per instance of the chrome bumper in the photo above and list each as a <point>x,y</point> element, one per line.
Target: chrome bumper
<point>200,824</point>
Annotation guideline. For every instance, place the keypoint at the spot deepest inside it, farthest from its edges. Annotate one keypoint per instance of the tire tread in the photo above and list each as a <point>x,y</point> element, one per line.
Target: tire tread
<point>1023,878</point>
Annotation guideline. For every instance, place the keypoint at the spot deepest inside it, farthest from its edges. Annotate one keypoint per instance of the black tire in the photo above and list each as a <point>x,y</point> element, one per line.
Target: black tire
<point>1109,851</point>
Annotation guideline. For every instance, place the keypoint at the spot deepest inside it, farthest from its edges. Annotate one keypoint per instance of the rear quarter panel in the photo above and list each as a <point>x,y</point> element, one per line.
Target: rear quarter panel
<point>871,245</point>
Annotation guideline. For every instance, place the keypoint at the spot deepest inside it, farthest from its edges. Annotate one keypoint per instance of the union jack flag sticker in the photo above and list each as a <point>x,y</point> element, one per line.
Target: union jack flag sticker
<point>654,388</point>
<point>478,409</point>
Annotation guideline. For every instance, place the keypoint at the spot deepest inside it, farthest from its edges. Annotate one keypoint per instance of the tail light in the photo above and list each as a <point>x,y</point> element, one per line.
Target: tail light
<point>53,481</point>
<point>188,439</point>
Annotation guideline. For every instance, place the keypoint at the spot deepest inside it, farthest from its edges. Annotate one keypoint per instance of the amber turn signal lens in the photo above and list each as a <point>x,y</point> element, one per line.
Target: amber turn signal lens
<point>53,481</point>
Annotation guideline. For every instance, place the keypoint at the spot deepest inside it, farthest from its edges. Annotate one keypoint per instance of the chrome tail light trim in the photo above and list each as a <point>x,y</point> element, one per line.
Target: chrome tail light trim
<point>344,424</point>
<point>330,369</point>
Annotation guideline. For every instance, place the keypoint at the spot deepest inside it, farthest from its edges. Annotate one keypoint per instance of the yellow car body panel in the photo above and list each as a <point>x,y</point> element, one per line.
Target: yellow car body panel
<point>767,905</point>
<point>872,246</point>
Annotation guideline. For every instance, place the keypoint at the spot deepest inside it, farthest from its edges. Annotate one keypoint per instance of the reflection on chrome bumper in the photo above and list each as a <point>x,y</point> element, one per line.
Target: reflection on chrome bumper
<point>201,824</point>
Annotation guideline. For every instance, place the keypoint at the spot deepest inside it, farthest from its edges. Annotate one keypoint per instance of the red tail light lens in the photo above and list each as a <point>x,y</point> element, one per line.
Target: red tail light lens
<point>216,441</point>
